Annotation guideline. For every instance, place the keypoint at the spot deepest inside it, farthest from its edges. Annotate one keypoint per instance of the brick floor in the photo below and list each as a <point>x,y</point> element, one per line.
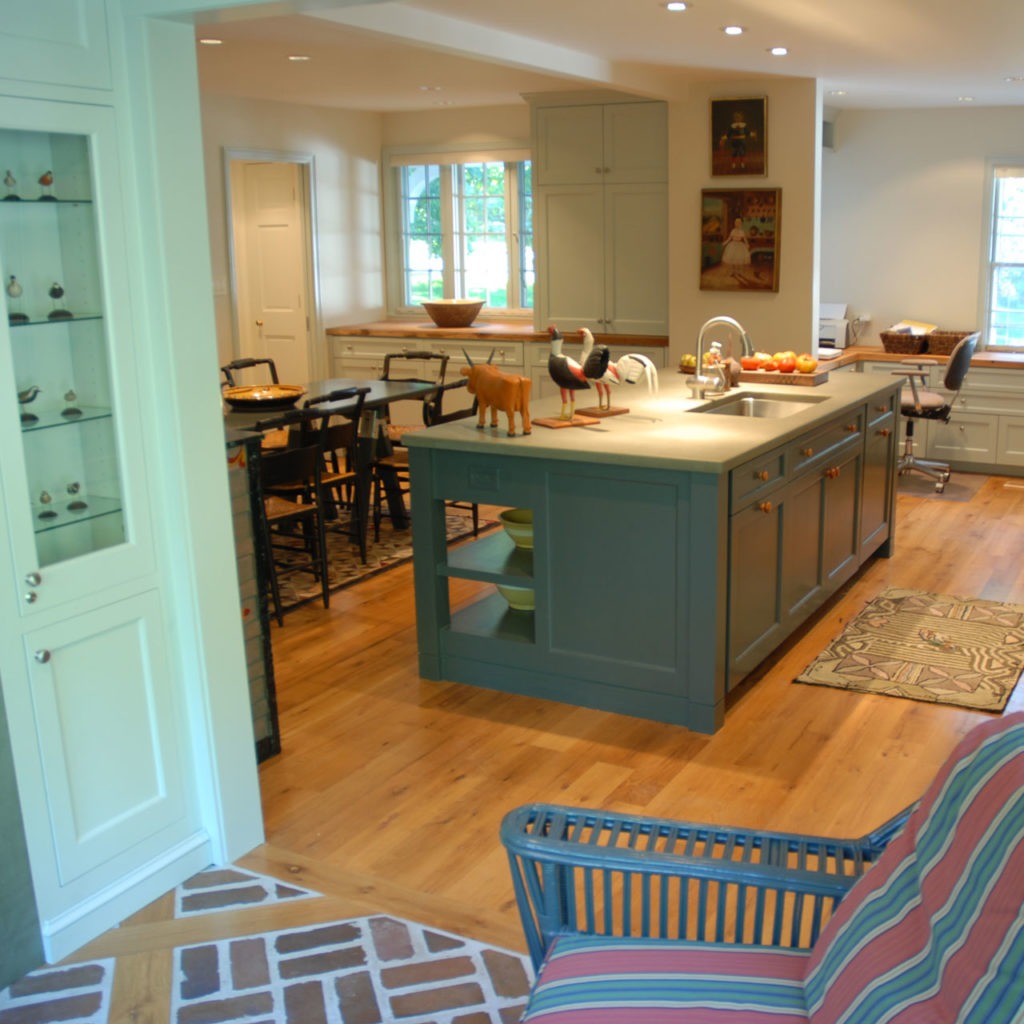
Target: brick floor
<point>79,994</point>
<point>370,970</point>
<point>227,888</point>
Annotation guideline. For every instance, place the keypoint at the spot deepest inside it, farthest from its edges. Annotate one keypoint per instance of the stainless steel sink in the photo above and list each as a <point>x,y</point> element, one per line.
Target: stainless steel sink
<point>760,406</point>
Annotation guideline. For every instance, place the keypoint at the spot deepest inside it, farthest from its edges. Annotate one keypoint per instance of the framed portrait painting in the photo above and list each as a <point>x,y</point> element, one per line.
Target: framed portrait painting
<point>739,243</point>
<point>739,137</point>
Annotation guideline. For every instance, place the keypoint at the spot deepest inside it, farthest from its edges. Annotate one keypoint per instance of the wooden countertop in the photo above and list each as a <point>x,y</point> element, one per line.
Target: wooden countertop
<point>858,353</point>
<point>483,330</point>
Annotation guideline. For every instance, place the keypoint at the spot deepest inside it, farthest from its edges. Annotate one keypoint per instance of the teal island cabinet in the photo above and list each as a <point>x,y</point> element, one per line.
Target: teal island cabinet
<point>674,547</point>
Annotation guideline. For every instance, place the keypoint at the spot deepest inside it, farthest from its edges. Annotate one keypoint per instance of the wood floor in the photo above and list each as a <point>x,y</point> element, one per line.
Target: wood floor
<point>389,791</point>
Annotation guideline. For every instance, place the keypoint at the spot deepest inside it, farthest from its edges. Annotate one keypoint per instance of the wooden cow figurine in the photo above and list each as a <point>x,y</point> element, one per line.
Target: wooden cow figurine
<point>499,392</point>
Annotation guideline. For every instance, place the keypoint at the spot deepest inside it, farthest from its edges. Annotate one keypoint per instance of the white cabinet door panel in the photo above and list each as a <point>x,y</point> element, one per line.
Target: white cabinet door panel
<point>636,286</point>
<point>102,706</point>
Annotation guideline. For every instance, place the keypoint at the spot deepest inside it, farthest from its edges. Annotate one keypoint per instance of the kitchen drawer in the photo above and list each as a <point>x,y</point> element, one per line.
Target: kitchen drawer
<point>966,438</point>
<point>813,449</point>
<point>879,409</point>
<point>756,478</point>
<point>505,354</point>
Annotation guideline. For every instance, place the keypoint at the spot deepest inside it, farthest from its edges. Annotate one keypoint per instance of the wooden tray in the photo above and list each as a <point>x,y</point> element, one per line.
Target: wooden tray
<point>819,376</point>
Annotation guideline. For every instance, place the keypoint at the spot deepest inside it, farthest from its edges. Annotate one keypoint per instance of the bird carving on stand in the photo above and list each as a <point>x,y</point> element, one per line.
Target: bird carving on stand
<point>24,398</point>
<point>628,369</point>
<point>566,373</point>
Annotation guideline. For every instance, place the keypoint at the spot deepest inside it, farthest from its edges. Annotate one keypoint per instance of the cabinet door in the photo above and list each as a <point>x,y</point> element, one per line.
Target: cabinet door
<point>1010,445</point>
<point>101,697</point>
<point>73,464</point>
<point>876,492</point>
<point>840,549</point>
<point>569,145</point>
<point>570,256</point>
<point>635,142</point>
<point>802,568</point>
<point>968,437</point>
<point>636,261</point>
<point>755,575</point>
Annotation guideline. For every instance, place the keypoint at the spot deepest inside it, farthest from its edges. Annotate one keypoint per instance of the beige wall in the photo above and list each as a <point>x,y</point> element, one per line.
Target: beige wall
<point>905,215</point>
<point>775,321</point>
<point>345,147</point>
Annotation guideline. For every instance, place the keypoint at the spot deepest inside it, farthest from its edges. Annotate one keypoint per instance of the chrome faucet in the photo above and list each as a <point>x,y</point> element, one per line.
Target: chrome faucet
<point>701,384</point>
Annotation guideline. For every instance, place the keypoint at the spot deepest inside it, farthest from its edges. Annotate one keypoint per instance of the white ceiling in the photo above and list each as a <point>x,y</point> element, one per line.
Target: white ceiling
<point>424,54</point>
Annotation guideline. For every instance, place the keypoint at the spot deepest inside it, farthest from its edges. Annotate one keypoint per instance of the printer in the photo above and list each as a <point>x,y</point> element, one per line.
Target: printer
<point>833,326</point>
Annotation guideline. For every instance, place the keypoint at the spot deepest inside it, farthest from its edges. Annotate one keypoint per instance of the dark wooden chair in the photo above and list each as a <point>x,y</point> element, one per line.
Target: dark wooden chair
<point>230,369</point>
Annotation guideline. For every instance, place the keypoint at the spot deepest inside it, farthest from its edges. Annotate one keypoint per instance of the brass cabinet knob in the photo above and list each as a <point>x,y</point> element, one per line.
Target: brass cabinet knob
<point>259,323</point>
<point>851,428</point>
<point>884,432</point>
<point>806,452</point>
<point>832,472</point>
<point>762,474</point>
<point>764,506</point>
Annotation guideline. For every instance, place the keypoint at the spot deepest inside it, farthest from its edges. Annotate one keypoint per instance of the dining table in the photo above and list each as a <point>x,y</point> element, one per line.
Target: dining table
<point>372,441</point>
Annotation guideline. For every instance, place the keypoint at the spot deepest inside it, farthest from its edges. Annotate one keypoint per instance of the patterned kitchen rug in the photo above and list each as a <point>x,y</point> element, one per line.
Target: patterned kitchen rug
<point>393,549</point>
<point>930,647</point>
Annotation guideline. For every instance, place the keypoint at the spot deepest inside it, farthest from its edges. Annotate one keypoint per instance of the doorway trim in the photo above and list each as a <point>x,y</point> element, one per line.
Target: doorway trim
<point>307,202</point>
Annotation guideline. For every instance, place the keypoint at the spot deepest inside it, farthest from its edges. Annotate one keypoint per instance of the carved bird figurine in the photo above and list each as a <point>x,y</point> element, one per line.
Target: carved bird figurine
<point>46,179</point>
<point>14,288</point>
<point>10,181</point>
<point>566,373</point>
<point>28,395</point>
<point>56,291</point>
<point>628,369</point>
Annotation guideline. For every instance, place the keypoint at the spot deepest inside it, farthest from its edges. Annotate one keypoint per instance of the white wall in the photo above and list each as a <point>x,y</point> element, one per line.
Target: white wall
<point>904,217</point>
<point>345,146</point>
<point>478,126</point>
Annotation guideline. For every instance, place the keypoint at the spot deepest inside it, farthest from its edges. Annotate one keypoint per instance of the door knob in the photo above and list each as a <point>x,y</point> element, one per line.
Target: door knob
<point>259,323</point>
<point>33,579</point>
<point>42,656</point>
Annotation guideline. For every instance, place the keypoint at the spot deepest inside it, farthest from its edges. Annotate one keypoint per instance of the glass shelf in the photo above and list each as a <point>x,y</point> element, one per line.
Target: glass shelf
<point>47,321</point>
<point>45,201</point>
<point>493,559</point>
<point>46,420</point>
<point>71,511</point>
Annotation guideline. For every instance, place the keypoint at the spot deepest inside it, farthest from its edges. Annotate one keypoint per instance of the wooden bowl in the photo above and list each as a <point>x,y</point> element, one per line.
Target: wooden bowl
<point>453,312</point>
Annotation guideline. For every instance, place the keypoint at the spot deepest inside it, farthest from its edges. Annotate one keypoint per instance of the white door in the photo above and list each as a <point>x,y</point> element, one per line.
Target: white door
<point>272,267</point>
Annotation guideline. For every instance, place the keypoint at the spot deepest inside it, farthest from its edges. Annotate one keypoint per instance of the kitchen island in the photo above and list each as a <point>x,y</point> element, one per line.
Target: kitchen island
<point>675,547</point>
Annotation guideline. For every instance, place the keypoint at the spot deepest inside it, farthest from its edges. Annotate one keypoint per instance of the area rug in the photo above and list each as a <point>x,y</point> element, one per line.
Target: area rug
<point>930,647</point>
<point>345,567</point>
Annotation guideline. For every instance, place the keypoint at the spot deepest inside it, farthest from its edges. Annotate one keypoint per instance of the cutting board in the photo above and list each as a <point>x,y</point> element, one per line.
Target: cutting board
<point>819,376</point>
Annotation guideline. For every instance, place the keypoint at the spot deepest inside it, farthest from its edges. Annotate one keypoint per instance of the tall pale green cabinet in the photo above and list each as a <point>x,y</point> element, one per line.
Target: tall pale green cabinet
<point>125,759</point>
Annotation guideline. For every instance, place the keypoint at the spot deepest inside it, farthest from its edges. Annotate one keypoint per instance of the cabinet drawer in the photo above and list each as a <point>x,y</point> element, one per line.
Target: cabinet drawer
<point>755,478</point>
<point>812,450</point>
<point>965,438</point>
<point>878,409</point>
<point>506,354</point>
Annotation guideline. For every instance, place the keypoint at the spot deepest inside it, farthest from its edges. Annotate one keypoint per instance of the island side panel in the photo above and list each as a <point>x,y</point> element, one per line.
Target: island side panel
<point>628,579</point>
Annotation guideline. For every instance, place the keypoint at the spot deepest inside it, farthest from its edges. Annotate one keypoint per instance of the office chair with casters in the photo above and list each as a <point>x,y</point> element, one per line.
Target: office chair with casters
<point>235,365</point>
<point>922,404</point>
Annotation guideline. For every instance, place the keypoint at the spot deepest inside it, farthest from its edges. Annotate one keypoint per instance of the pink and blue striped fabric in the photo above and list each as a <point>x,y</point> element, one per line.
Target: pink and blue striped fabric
<point>932,934</point>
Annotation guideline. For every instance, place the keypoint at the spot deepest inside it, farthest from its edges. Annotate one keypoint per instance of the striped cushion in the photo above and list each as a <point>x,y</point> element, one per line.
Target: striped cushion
<point>935,931</point>
<point>595,980</point>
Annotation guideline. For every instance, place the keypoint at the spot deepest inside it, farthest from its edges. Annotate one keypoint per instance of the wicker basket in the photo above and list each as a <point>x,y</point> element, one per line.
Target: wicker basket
<point>942,343</point>
<point>904,344</point>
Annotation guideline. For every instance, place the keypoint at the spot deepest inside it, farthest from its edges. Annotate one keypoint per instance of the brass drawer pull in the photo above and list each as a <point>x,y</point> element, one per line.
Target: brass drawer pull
<point>764,506</point>
<point>832,472</point>
<point>761,475</point>
<point>806,452</point>
<point>852,428</point>
<point>884,432</point>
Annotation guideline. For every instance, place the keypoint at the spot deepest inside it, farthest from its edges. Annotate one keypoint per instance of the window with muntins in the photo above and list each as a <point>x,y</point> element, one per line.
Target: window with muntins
<point>464,230</point>
<point>1005,315</point>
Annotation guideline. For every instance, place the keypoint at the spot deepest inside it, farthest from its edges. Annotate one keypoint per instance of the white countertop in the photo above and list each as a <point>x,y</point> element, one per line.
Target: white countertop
<point>660,430</point>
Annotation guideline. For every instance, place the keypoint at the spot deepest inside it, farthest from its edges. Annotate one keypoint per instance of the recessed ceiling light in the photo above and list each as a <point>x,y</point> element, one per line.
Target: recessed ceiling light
<point>778,51</point>
<point>733,30</point>
<point>1014,78</point>
<point>965,99</point>
<point>676,5</point>
<point>837,92</point>
<point>298,58</point>
<point>211,42</point>
<point>430,88</point>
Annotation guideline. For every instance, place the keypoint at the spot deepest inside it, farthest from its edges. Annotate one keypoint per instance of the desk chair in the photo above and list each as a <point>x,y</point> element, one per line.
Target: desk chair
<point>233,367</point>
<point>923,404</point>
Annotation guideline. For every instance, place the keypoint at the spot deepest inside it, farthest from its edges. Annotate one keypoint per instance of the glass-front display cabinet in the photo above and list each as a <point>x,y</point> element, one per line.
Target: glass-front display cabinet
<point>67,495</point>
